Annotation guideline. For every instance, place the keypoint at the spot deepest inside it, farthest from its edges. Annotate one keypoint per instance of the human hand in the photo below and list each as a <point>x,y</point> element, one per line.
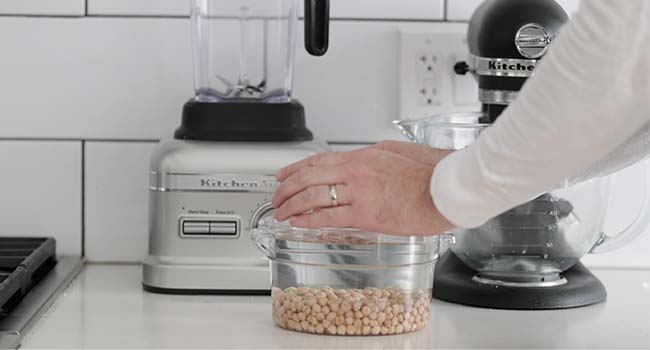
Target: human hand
<point>377,190</point>
<point>419,153</point>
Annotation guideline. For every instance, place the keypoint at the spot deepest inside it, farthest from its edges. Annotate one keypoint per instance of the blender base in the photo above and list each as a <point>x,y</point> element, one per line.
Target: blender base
<point>453,282</point>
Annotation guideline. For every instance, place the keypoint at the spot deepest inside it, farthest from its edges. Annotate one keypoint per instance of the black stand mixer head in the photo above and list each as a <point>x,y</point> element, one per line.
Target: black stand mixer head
<point>506,39</point>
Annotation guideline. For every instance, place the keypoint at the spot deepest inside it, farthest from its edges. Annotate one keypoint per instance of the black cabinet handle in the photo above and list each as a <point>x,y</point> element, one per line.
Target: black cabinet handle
<point>317,18</point>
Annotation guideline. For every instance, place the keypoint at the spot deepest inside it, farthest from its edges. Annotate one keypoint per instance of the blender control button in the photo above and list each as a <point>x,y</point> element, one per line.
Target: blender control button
<point>196,227</point>
<point>224,228</point>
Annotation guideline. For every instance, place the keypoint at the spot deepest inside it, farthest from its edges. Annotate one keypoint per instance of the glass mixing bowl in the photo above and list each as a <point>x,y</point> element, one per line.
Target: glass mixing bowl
<point>533,243</point>
<point>346,281</point>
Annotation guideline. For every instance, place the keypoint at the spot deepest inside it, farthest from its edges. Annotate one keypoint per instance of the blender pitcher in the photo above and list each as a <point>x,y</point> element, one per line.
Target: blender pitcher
<point>534,243</point>
<point>243,69</point>
<point>244,49</point>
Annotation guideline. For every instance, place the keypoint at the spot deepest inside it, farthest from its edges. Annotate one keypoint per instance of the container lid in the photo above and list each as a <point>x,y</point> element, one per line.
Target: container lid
<point>344,247</point>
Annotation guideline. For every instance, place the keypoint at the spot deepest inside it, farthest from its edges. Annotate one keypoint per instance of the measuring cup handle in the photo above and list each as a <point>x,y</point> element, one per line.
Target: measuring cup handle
<point>609,243</point>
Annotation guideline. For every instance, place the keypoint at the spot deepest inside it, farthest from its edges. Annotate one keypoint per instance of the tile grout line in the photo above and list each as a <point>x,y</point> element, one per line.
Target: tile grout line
<point>83,198</point>
<point>67,139</point>
<point>151,141</point>
<point>442,19</point>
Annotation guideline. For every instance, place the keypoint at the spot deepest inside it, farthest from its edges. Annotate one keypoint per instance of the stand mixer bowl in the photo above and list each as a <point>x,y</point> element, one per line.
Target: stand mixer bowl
<point>536,241</point>
<point>532,244</point>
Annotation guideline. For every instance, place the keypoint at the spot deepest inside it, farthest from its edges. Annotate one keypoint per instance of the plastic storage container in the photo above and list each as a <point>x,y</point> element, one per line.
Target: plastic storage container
<point>348,282</point>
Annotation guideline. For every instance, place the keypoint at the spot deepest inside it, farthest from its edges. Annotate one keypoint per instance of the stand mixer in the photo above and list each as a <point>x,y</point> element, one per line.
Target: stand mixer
<point>526,258</point>
<point>212,183</point>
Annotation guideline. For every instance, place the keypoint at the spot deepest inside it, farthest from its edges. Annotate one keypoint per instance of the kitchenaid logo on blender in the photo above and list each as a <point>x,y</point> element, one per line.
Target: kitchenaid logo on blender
<point>236,184</point>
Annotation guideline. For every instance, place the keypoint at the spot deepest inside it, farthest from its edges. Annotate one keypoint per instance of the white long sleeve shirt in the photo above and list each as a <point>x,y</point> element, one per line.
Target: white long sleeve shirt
<point>590,97</point>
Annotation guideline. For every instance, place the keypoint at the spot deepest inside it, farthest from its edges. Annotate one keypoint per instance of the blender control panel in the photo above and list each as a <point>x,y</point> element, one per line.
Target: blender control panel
<point>210,227</point>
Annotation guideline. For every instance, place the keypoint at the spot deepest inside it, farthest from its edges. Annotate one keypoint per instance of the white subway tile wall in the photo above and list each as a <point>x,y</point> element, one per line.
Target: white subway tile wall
<point>386,9</point>
<point>90,78</point>
<point>129,77</point>
<point>461,10</point>
<point>40,191</point>
<point>95,92</point>
<point>351,9</point>
<point>43,7</point>
<point>116,197</point>
<point>139,7</point>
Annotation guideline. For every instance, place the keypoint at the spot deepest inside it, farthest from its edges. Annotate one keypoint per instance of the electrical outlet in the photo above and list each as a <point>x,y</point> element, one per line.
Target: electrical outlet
<point>426,64</point>
<point>429,93</point>
<point>428,83</point>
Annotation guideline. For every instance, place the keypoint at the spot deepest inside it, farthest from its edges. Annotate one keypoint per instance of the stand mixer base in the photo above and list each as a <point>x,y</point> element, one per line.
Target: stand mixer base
<point>454,282</point>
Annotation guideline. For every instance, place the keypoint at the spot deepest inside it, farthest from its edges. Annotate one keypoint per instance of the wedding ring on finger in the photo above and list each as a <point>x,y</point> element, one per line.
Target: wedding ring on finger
<point>334,197</point>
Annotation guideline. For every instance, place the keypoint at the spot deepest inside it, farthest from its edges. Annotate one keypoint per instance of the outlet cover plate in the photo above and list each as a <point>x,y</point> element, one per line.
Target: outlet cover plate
<point>428,83</point>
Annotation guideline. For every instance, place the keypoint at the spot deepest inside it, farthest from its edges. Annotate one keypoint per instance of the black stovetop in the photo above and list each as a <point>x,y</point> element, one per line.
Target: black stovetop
<point>23,263</point>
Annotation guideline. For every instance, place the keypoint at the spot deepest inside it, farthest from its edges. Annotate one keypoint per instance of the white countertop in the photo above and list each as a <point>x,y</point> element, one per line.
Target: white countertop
<point>105,307</point>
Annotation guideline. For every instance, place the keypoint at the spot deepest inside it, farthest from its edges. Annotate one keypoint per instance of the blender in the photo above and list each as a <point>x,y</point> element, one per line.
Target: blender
<point>212,182</point>
<point>528,257</point>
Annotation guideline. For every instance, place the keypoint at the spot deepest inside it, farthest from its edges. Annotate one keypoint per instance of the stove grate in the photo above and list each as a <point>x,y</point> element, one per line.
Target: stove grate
<point>23,263</point>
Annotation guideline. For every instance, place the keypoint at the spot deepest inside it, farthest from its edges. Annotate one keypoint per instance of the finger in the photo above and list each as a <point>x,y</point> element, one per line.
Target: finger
<point>300,180</point>
<point>337,217</point>
<point>327,158</point>
<point>315,197</point>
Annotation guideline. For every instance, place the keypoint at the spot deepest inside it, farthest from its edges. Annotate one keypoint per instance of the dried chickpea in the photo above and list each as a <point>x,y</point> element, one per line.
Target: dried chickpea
<point>357,305</point>
<point>368,311</point>
<point>365,310</point>
<point>320,329</point>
